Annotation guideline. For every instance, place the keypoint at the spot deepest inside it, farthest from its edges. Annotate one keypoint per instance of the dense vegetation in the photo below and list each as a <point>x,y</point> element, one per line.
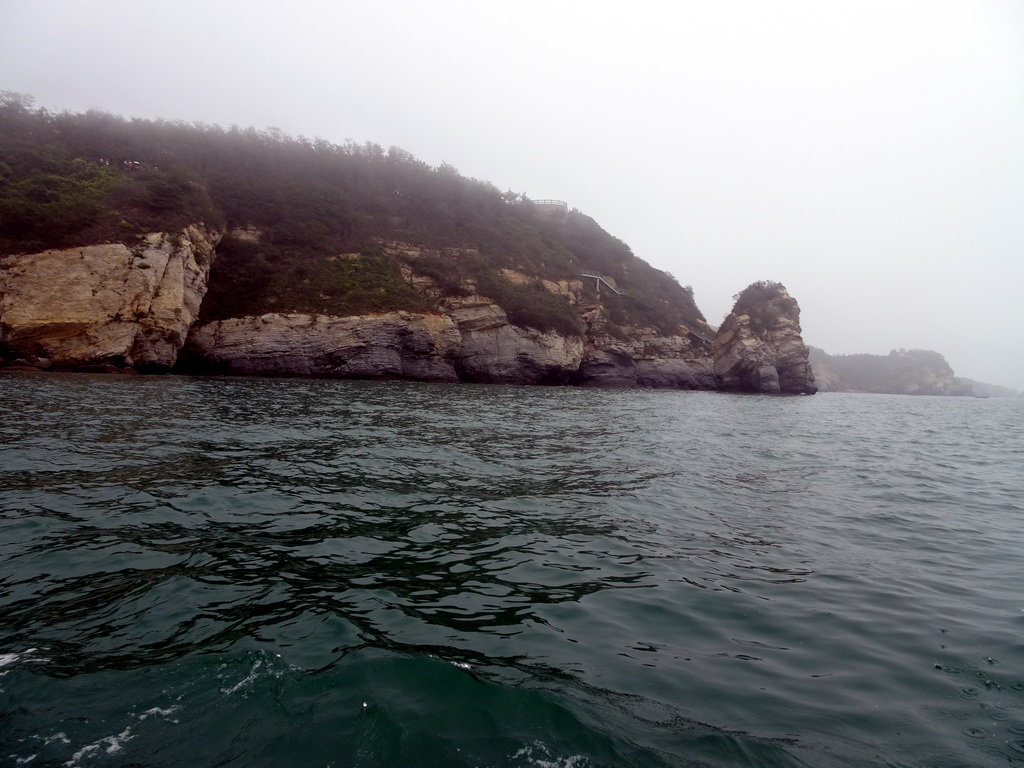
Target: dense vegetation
<point>55,192</point>
<point>319,214</point>
<point>763,301</point>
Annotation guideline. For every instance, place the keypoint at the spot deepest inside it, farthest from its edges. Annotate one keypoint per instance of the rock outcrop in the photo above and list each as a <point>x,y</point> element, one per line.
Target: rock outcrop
<point>759,347</point>
<point>472,341</point>
<point>110,307</point>
<point>395,345</point>
<point>475,343</point>
<point>641,357</point>
<point>494,352</point>
<point>106,304</point>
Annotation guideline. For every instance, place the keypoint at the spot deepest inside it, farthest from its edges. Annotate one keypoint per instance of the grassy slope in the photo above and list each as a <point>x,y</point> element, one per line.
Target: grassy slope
<point>64,182</point>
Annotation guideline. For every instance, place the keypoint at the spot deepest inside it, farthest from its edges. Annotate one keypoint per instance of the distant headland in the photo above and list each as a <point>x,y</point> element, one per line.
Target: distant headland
<point>158,246</point>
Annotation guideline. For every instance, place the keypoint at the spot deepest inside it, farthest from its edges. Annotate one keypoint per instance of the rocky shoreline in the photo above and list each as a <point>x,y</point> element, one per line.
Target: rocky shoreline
<point>112,308</point>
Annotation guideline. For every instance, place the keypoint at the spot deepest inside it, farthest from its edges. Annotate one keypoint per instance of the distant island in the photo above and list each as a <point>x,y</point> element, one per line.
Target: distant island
<point>901,372</point>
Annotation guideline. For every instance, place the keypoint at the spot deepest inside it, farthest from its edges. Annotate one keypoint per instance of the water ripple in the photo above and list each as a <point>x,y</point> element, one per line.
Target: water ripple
<point>388,574</point>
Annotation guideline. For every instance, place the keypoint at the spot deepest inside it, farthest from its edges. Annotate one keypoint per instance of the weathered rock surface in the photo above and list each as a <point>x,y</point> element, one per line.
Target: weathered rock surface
<point>112,308</point>
<point>473,342</point>
<point>105,304</point>
<point>393,345</point>
<point>645,359</point>
<point>764,352</point>
<point>494,352</point>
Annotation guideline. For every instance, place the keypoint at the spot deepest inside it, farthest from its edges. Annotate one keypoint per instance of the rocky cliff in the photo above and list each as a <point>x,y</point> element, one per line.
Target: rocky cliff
<point>396,345</point>
<point>474,343</point>
<point>468,338</point>
<point>107,304</point>
<point>642,357</point>
<point>335,260</point>
<point>115,307</point>
<point>759,347</point>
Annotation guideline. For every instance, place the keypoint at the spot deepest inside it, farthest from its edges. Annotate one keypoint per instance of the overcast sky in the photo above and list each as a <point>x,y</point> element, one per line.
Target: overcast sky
<point>869,155</point>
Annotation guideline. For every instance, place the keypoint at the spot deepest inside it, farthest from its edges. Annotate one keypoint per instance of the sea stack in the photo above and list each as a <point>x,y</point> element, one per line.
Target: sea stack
<point>759,347</point>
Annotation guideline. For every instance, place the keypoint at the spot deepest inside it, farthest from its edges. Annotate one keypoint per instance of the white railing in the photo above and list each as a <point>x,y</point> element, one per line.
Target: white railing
<point>600,280</point>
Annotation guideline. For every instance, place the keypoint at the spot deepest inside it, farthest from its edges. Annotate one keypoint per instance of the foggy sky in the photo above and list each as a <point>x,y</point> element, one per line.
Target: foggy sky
<point>868,155</point>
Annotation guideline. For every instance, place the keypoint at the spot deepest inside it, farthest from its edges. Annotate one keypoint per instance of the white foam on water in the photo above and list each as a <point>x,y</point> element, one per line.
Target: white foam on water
<point>59,736</point>
<point>267,665</point>
<point>110,744</point>
<point>253,673</point>
<point>546,760</point>
<point>86,750</point>
<point>7,659</point>
<point>155,711</point>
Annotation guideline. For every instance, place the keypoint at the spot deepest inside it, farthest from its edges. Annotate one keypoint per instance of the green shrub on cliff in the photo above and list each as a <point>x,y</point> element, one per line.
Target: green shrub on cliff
<point>51,203</point>
<point>530,305</point>
<point>54,194</point>
<point>71,179</point>
<point>762,301</point>
<point>261,277</point>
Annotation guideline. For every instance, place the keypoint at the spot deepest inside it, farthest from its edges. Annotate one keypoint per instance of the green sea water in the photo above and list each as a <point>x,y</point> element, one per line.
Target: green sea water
<point>214,572</point>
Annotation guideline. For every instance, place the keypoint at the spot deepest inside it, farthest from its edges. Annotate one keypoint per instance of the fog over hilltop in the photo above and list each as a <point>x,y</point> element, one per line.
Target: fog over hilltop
<point>866,155</point>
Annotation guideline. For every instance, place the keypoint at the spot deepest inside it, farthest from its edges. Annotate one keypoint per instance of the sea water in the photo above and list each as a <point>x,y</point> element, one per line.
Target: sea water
<point>212,572</point>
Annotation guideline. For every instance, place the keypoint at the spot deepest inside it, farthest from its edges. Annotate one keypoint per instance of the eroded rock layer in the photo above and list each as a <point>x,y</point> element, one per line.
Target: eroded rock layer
<point>397,345</point>
<point>469,339</point>
<point>759,347</point>
<point>106,304</point>
<point>113,307</point>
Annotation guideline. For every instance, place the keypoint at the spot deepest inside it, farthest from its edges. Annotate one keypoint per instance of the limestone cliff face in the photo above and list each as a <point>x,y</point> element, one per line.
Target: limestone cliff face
<point>471,341</point>
<point>109,305</point>
<point>106,303</point>
<point>641,357</point>
<point>494,352</point>
<point>468,338</point>
<point>759,347</point>
<point>398,345</point>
